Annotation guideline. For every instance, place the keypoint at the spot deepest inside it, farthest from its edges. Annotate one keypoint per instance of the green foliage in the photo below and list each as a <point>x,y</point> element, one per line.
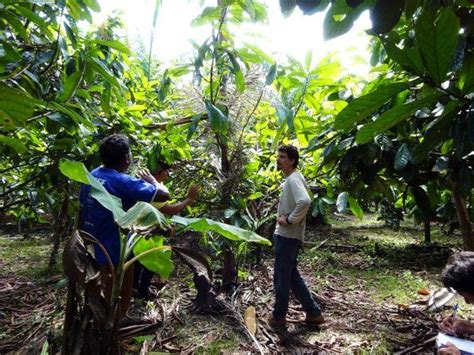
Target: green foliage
<point>437,37</point>
<point>228,231</point>
<point>363,106</point>
<point>392,117</point>
<point>158,261</point>
<point>63,89</point>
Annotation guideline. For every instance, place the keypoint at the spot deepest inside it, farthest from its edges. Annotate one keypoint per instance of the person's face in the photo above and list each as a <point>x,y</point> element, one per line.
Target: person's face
<point>162,175</point>
<point>468,297</point>
<point>283,162</point>
<point>127,162</point>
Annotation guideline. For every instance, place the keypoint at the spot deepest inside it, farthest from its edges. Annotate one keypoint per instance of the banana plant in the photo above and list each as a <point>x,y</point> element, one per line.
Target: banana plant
<point>141,221</point>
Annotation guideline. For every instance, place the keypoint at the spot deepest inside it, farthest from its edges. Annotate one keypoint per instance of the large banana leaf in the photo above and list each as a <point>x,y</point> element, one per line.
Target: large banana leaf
<point>142,216</point>
<point>227,231</point>
<point>77,171</point>
<point>158,261</point>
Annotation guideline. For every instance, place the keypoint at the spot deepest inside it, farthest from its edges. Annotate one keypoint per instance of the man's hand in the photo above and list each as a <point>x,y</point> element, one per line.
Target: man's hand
<point>449,349</point>
<point>447,325</point>
<point>281,220</point>
<point>193,192</point>
<point>146,175</point>
<point>453,326</point>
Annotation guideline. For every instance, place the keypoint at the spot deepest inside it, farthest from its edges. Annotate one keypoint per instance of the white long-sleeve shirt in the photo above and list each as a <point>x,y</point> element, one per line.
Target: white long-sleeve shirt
<point>294,203</point>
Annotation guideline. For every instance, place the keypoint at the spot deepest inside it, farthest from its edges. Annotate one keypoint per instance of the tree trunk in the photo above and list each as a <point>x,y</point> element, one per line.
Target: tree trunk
<point>464,221</point>
<point>60,229</point>
<point>427,226</point>
<point>227,185</point>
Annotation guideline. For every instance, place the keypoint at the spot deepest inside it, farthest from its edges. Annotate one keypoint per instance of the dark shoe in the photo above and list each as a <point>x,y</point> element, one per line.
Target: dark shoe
<point>313,319</point>
<point>276,322</point>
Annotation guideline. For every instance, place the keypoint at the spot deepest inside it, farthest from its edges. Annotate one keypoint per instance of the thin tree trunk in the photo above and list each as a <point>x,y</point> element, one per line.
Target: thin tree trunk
<point>464,221</point>
<point>60,227</point>
<point>427,231</point>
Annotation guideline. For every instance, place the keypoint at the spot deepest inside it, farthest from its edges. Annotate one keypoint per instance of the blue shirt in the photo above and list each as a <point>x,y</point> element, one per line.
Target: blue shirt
<point>99,221</point>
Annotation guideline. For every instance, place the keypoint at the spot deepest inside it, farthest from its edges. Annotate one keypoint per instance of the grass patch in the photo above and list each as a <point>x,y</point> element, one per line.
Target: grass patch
<point>218,346</point>
<point>399,287</point>
<point>26,257</point>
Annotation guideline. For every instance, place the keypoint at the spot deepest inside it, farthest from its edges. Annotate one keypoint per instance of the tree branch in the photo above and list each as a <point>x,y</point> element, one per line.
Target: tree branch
<point>181,121</point>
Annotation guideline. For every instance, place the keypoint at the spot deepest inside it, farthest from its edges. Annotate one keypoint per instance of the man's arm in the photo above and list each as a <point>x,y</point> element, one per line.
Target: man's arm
<point>457,327</point>
<point>161,194</point>
<point>171,210</point>
<point>302,199</point>
<point>303,203</point>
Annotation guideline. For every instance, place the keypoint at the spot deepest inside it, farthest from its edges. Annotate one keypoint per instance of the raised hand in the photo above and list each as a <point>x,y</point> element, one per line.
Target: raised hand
<point>147,176</point>
<point>193,192</point>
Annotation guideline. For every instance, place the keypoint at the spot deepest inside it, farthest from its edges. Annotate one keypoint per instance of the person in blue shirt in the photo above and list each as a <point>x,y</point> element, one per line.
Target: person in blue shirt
<point>98,221</point>
<point>142,277</point>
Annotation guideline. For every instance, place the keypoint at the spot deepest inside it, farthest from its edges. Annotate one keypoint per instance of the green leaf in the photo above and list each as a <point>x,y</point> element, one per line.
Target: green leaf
<point>436,132</point>
<point>285,114</point>
<point>36,19</point>
<point>287,6</point>
<point>70,34</point>
<point>208,15</point>
<point>240,81</point>
<point>142,338</point>
<point>112,44</point>
<point>466,74</point>
<point>437,38</point>
<point>69,125</point>
<point>392,117</point>
<point>385,15</point>
<point>340,18</point>
<point>218,119</point>
<point>355,207</point>
<point>93,4</point>
<point>239,77</point>
<point>227,231</point>
<point>261,54</point>
<point>157,261</point>
<point>15,107</point>
<point>402,158</point>
<point>15,24</point>
<point>44,348</point>
<point>271,74</point>
<point>70,84</point>
<point>74,170</point>
<point>100,68</point>
<point>364,106</point>
<point>408,58</point>
<point>310,7</point>
<point>14,143</point>
<point>141,217</point>
<point>77,171</point>
<point>72,114</point>
<point>341,202</point>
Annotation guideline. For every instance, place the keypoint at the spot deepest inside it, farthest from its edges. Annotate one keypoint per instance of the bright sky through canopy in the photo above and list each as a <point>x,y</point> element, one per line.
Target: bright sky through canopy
<point>293,36</point>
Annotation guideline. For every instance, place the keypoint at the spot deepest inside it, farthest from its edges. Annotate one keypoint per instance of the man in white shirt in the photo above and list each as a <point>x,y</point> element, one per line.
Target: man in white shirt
<point>292,208</point>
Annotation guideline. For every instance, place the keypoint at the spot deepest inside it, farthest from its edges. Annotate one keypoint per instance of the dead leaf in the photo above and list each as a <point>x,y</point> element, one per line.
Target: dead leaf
<point>251,320</point>
<point>423,291</point>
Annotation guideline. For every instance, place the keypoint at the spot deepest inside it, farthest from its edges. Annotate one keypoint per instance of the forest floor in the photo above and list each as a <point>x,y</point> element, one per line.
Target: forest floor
<point>369,280</point>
